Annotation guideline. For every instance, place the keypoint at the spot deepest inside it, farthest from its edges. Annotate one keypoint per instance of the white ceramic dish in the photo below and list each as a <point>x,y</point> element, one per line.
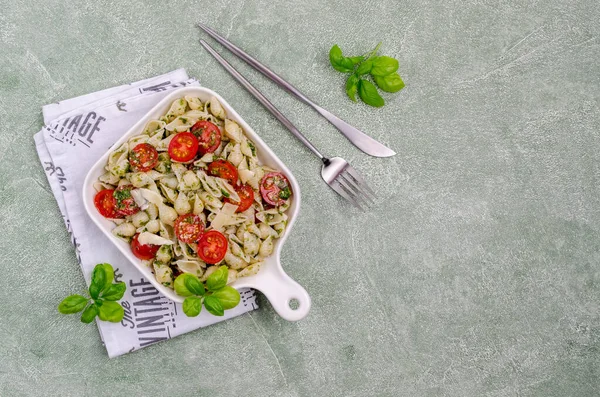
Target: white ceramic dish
<point>271,280</point>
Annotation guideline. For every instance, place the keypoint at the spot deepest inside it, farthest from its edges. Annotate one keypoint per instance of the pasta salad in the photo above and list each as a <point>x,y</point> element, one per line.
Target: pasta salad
<point>189,194</point>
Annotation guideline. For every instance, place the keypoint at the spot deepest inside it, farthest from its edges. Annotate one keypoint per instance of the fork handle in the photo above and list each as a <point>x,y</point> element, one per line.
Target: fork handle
<point>262,99</point>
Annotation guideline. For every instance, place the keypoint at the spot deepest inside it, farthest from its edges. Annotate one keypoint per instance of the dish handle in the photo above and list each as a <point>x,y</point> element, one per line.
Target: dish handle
<point>289,299</point>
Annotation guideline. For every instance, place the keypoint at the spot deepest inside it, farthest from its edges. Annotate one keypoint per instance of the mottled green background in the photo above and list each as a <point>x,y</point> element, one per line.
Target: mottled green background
<point>476,273</point>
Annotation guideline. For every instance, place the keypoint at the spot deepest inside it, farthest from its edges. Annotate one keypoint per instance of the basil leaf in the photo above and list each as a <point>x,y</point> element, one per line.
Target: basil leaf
<point>218,279</point>
<point>356,60</point>
<point>228,296</point>
<point>109,274</point>
<point>352,86</point>
<point>390,83</point>
<point>179,285</point>
<point>213,305</point>
<point>98,281</point>
<point>111,311</point>
<point>114,292</point>
<point>72,304</point>
<point>194,285</point>
<point>368,93</point>
<point>340,62</point>
<point>383,65</point>
<point>364,67</point>
<point>192,305</point>
<point>89,314</point>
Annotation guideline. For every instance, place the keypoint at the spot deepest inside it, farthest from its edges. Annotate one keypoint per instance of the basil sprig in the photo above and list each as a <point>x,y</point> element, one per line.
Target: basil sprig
<point>101,302</point>
<point>382,69</point>
<point>216,295</point>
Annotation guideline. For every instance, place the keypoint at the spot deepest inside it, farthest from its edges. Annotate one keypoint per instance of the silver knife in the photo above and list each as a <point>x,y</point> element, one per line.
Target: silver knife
<point>354,135</point>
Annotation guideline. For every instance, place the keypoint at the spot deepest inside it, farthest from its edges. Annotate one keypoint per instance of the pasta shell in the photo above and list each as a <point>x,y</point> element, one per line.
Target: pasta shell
<point>182,204</point>
<point>136,140</point>
<point>124,230</point>
<point>177,109</point>
<point>236,156</point>
<point>109,178</point>
<point>170,181</point>
<point>180,124</point>
<point>251,244</point>
<point>233,131</point>
<point>231,276</point>
<point>118,161</point>
<point>152,211</point>
<point>246,148</point>
<point>208,272</point>
<point>189,181</point>
<point>163,144</point>
<point>250,270</point>
<point>189,266</point>
<point>169,193</point>
<point>101,186</point>
<point>216,109</point>
<point>164,254</point>
<point>152,126</point>
<point>139,219</point>
<point>194,102</point>
<point>167,214</point>
<point>266,247</point>
<point>163,274</point>
<point>235,262</point>
<point>198,205</point>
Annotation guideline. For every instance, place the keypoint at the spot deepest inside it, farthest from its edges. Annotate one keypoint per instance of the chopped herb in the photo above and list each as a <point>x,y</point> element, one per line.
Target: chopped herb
<point>252,148</point>
<point>285,193</point>
<point>121,195</point>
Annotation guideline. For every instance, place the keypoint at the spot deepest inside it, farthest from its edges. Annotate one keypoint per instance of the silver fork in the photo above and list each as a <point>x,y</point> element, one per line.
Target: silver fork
<point>336,171</point>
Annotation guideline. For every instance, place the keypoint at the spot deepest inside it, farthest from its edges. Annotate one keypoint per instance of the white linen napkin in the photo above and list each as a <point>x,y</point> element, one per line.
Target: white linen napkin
<point>77,132</point>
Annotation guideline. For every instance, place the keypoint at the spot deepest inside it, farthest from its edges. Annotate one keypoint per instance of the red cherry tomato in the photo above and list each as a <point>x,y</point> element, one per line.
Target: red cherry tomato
<point>105,203</point>
<point>183,147</point>
<point>246,198</point>
<point>209,136</point>
<point>275,188</point>
<point>125,204</point>
<point>143,157</point>
<point>224,169</point>
<point>143,251</point>
<point>212,247</point>
<point>188,228</point>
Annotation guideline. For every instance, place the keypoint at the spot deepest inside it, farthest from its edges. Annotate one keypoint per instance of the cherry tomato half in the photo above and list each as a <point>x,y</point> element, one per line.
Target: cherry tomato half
<point>209,136</point>
<point>224,169</point>
<point>188,228</point>
<point>143,251</point>
<point>212,247</point>
<point>275,188</point>
<point>143,157</point>
<point>246,198</point>
<point>125,204</point>
<point>183,147</point>
<point>105,203</point>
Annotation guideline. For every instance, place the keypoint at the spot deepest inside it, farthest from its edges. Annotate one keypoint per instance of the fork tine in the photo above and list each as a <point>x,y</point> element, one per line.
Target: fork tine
<point>356,196</point>
<point>352,186</point>
<point>364,196</point>
<point>359,179</point>
<point>343,191</point>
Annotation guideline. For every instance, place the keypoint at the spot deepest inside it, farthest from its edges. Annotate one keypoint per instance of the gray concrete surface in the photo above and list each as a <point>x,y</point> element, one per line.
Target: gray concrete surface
<point>476,274</point>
